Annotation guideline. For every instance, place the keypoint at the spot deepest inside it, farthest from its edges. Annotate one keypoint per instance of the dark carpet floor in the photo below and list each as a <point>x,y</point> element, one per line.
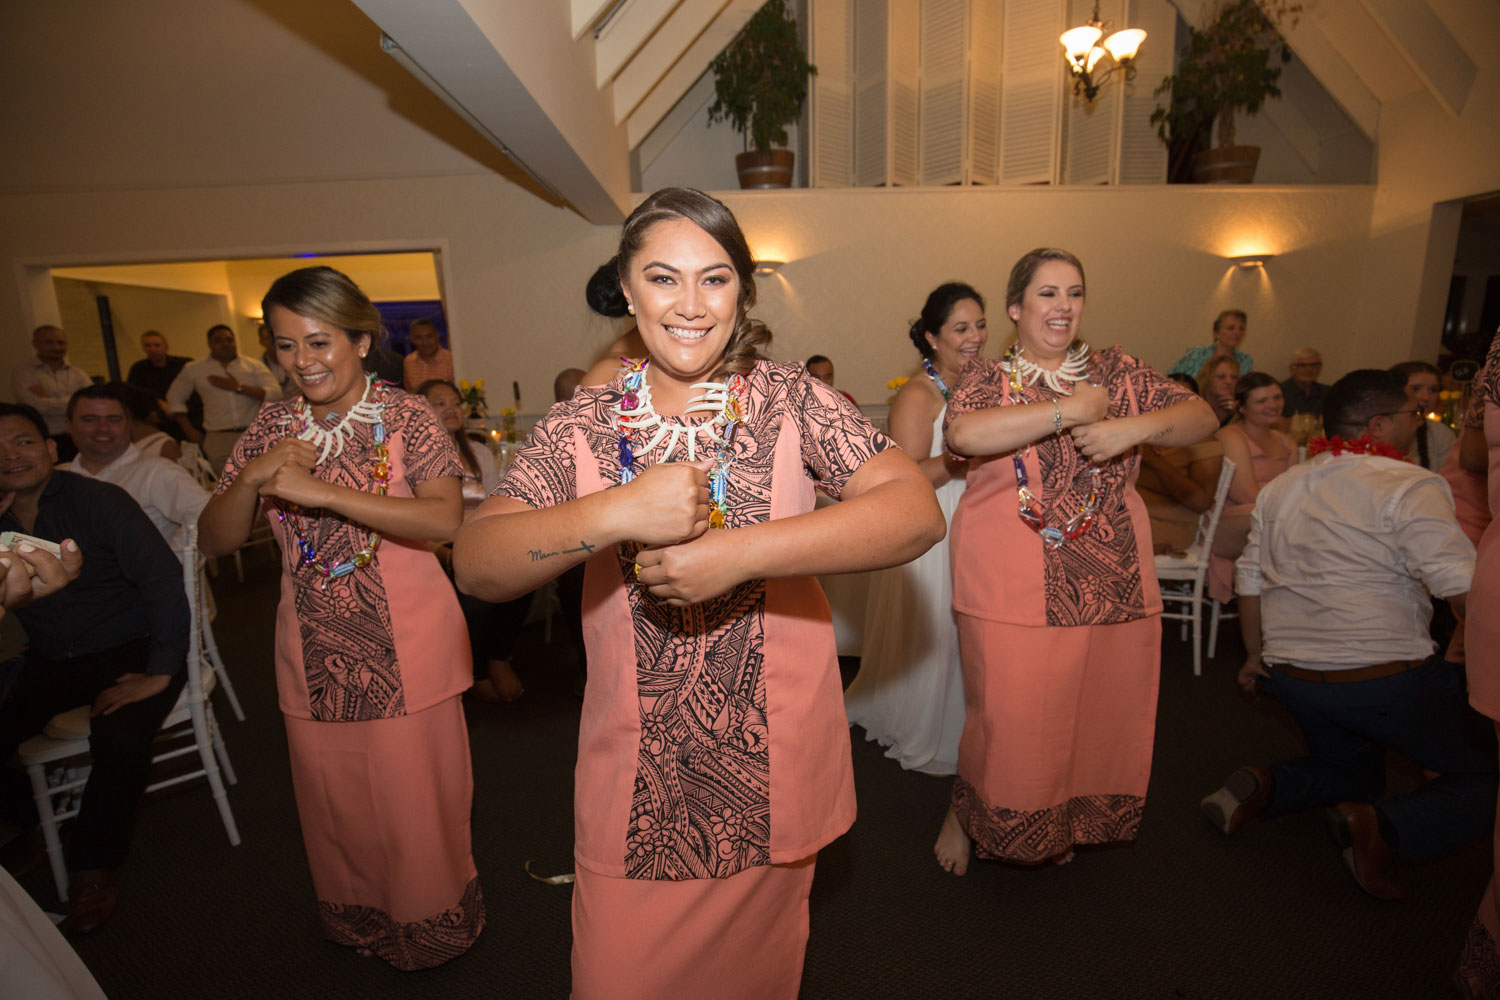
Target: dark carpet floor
<point>1183,913</point>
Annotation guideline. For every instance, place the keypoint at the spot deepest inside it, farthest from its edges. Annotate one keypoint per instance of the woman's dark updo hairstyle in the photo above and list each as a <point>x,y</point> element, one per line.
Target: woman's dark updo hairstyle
<point>603,292</point>
<point>750,336</point>
<point>1248,384</point>
<point>329,296</point>
<point>936,310</point>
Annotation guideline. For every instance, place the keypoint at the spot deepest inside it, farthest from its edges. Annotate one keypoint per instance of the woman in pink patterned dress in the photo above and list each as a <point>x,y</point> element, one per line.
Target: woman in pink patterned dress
<point>713,756</point>
<point>371,652</point>
<point>1478,973</point>
<point>1059,629</point>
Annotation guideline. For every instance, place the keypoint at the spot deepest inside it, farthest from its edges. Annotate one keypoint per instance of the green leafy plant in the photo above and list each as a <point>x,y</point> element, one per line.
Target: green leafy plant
<point>1231,64</point>
<point>760,79</point>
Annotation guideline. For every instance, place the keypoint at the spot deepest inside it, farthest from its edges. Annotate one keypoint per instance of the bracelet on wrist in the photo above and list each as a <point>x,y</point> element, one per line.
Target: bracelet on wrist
<point>1057,417</point>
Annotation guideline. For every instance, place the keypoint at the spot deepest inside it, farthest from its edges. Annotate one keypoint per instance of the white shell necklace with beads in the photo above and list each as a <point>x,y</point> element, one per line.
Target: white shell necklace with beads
<point>330,440</point>
<point>643,417</point>
<point>1024,373</point>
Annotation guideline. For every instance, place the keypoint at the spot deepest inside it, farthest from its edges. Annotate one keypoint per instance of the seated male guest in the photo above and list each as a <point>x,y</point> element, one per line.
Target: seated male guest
<point>232,388</point>
<point>1334,608</point>
<point>1303,393</point>
<point>115,640</point>
<point>102,427</point>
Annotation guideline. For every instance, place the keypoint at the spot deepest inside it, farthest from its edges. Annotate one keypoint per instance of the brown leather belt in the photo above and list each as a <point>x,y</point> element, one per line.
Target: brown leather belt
<point>1348,676</point>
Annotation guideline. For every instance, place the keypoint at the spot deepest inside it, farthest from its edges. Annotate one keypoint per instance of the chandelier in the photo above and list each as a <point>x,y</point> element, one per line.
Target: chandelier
<point>1084,49</point>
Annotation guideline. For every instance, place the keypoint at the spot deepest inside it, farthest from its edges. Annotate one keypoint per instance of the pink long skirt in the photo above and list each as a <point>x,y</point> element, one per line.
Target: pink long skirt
<point>1058,732</point>
<point>737,938</point>
<point>384,807</point>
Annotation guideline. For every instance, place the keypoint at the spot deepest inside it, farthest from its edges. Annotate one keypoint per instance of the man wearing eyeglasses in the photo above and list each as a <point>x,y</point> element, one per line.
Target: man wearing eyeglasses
<point>1344,550</point>
<point>1303,393</point>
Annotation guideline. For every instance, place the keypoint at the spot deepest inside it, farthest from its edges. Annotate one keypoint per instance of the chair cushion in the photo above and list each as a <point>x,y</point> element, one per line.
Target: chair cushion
<point>70,725</point>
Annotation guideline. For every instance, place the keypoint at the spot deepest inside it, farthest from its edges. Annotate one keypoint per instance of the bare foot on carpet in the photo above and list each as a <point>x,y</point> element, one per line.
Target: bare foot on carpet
<point>952,847</point>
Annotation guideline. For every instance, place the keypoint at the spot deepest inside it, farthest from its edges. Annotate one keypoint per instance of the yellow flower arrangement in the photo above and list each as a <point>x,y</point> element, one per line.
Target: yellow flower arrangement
<point>471,394</point>
<point>508,421</point>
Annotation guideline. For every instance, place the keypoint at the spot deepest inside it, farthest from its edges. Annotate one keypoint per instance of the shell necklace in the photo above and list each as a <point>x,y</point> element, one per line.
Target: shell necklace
<point>1023,373</point>
<point>635,412</point>
<point>330,440</point>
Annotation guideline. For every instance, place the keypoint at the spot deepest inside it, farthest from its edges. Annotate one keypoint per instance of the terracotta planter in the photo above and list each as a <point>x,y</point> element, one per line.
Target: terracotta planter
<point>771,169</point>
<point>1226,165</point>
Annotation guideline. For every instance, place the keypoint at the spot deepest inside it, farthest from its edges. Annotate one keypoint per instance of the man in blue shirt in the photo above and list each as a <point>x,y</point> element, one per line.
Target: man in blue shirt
<point>116,640</point>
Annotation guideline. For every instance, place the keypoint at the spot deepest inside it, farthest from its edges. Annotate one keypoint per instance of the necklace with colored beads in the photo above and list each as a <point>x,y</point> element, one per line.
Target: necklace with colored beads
<point>1032,513</point>
<point>937,380</point>
<point>634,411</point>
<point>365,411</point>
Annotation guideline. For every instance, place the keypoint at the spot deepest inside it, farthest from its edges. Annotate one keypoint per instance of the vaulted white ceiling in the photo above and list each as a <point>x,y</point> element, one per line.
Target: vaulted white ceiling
<point>569,87</point>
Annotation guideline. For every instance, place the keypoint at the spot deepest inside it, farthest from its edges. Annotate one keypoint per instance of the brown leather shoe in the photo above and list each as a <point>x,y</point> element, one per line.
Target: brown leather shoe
<point>1366,854</point>
<point>91,899</point>
<point>1244,794</point>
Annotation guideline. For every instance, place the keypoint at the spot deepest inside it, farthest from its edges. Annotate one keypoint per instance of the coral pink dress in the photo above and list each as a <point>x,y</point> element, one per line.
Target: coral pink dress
<point>1061,647</point>
<point>369,670</point>
<point>713,753</point>
<point>1479,967</point>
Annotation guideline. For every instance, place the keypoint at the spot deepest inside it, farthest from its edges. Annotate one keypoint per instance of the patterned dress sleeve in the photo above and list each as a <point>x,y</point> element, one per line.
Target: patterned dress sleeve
<point>1486,386</point>
<point>542,473</point>
<point>430,453</point>
<point>836,437</point>
<point>1149,388</point>
<point>978,388</point>
<point>264,431</point>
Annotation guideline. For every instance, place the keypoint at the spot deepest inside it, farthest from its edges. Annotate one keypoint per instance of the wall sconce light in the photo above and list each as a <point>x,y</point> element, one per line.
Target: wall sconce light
<point>767,267</point>
<point>1252,260</point>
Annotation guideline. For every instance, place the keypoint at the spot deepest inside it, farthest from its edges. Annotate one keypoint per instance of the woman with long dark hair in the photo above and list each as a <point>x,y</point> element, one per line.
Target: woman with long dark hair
<point>356,477</point>
<point>713,757</point>
<point>1059,625</point>
<point>909,693</point>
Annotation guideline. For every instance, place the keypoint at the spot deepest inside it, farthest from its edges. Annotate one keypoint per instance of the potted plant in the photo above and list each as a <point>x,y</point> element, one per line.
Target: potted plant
<point>760,84</point>
<point>1231,64</point>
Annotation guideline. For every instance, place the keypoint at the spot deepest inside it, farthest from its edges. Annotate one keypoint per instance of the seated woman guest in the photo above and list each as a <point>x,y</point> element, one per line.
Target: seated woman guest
<point>1059,628</point>
<point>1216,381</point>
<point>1178,485</point>
<point>713,762</point>
<point>909,694</point>
<point>371,656</point>
<point>1434,438</point>
<point>1260,453</point>
<point>493,628</point>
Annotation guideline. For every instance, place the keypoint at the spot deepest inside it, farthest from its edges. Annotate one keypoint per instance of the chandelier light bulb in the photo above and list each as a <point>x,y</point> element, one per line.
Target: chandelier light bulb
<point>1124,44</point>
<point>1079,42</point>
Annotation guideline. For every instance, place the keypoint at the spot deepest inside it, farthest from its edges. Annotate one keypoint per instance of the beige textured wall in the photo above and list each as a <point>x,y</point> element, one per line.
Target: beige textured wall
<point>859,261</point>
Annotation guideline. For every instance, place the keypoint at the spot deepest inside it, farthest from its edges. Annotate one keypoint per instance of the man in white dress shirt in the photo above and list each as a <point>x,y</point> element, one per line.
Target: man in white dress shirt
<point>99,421</point>
<point>232,389</point>
<point>46,382</point>
<point>1344,550</point>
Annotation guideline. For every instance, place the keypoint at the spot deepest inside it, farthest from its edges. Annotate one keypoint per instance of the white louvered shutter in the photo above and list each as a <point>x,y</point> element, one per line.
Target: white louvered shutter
<point>1090,127</point>
<point>871,76</point>
<point>832,120</point>
<point>905,76</point>
<point>982,138</point>
<point>1030,90</point>
<point>943,101</point>
<point>1143,157</point>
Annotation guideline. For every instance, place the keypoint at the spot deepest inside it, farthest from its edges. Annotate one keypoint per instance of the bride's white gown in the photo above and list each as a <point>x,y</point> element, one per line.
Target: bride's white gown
<point>909,694</point>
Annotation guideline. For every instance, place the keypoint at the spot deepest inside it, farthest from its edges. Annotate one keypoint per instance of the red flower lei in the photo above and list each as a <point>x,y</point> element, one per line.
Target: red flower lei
<point>1362,445</point>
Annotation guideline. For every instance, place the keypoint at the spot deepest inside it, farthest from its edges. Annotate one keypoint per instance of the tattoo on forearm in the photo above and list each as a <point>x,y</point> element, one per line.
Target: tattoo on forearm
<point>1163,432</point>
<point>537,555</point>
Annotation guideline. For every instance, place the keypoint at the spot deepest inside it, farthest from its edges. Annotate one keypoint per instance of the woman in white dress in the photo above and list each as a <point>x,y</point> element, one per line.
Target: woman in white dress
<point>909,694</point>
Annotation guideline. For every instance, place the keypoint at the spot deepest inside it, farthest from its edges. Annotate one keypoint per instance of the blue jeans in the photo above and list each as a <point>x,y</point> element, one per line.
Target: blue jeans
<point>1422,714</point>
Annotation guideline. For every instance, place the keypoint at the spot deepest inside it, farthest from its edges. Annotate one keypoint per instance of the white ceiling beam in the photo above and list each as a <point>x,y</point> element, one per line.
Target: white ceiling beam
<point>511,68</point>
<point>693,64</point>
<point>1343,84</point>
<point>584,13</point>
<point>1432,52</point>
<point>625,33</point>
<point>660,56</point>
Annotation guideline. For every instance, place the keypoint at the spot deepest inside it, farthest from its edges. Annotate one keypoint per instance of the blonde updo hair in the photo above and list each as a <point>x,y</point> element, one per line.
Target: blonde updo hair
<point>750,337</point>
